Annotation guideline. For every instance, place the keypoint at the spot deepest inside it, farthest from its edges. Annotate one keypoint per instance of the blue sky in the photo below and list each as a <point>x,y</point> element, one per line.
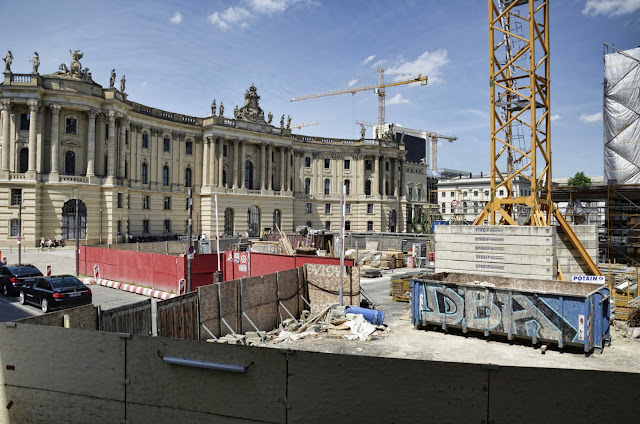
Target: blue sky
<point>180,55</point>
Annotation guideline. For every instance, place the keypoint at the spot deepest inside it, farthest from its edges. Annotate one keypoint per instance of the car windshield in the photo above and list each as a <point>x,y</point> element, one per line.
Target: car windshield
<point>65,282</point>
<point>26,271</point>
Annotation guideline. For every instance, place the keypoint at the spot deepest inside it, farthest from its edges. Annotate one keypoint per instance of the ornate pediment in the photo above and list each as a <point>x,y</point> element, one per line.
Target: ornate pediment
<point>251,111</point>
<point>70,143</point>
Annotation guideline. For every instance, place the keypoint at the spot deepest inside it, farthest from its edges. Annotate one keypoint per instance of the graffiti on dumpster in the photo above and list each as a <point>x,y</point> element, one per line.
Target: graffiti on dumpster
<point>484,308</point>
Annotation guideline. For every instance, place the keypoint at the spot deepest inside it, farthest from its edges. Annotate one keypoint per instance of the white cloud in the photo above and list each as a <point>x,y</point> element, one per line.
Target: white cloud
<point>596,117</point>
<point>270,6</point>
<point>177,18</point>
<point>483,114</point>
<point>352,82</point>
<point>231,16</point>
<point>555,118</point>
<point>144,83</point>
<point>610,7</point>
<point>368,59</point>
<point>397,99</point>
<point>428,63</point>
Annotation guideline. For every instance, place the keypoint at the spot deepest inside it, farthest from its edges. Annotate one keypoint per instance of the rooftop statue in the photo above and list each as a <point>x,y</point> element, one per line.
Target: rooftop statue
<point>73,71</point>
<point>8,59</point>
<point>213,108</point>
<point>269,118</point>
<point>251,110</point>
<point>36,62</point>
<point>221,110</point>
<point>122,83</point>
<point>282,122</point>
<point>75,66</point>
<point>112,80</point>
<point>288,122</point>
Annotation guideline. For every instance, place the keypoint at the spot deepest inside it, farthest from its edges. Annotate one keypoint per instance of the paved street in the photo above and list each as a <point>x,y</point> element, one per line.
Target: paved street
<point>62,261</point>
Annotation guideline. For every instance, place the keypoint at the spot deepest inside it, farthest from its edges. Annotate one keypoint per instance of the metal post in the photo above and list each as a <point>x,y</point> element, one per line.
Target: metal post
<point>77,237</point>
<point>100,225</point>
<point>217,234</point>
<point>342,199</point>
<point>189,236</point>
<point>20,232</point>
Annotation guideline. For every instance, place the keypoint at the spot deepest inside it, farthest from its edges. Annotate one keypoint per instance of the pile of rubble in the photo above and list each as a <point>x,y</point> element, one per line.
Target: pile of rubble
<point>331,323</point>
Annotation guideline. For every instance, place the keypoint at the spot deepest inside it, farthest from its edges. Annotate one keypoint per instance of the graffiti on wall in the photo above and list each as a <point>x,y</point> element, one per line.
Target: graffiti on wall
<point>497,311</point>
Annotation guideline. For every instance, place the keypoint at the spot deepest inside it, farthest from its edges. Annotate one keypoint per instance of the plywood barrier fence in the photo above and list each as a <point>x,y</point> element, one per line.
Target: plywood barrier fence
<point>54,374</point>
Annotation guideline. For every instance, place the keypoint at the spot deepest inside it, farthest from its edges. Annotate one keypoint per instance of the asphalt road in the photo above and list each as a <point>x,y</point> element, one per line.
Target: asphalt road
<point>62,261</point>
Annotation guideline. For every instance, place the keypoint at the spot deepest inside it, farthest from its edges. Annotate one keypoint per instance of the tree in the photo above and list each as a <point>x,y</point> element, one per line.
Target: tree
<point>579,180</point>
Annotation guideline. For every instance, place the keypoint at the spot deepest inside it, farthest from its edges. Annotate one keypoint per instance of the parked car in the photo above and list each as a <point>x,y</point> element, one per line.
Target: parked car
<point>57,292</point>
<point>13,277</point>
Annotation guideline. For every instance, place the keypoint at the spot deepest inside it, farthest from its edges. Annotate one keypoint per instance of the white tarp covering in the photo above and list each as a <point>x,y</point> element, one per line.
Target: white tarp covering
<point>621,117</point>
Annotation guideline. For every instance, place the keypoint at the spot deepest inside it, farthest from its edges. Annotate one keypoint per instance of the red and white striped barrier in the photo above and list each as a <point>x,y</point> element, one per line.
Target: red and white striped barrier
<point>145,291</point>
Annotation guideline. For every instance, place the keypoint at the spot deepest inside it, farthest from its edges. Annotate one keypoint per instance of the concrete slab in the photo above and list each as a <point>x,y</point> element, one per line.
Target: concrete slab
<point>494,239</point>
<point>547,260</point>
<point>513,249</point>
<point>534,270</point>
<point>504,230</point>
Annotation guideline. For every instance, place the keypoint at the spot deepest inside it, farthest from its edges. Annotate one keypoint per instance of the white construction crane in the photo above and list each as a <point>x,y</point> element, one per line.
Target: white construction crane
<point>304,124</point>
<point>378,89</point>
<point>434,136</point>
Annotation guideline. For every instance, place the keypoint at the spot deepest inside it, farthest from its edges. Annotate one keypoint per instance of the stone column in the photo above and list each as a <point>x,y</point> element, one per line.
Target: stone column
<point>243,158</point>
<point>122,149</point>
<point>263,167</point>
<point>91,142</point>
<point>269,166</point>
<point>180,151</point>
<point>283,168</point>
<point>134,158</point>
<point>402,177</point>
<point>375,190</point>
<point>205,160</point>
<point>175,154</point>
<point>154,145</point>
<point>236,147</point>
<point>111,148</point>
<point>6,133</point>
<point>34,105</point>
<point>220,143</point>
<point>213,169</point>
<point>55,130</point>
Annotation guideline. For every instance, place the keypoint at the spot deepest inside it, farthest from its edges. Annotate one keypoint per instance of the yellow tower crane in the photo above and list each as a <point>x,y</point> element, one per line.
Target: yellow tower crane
<point>303,124</point>
<point>378,89</point>
<point>521,118</point>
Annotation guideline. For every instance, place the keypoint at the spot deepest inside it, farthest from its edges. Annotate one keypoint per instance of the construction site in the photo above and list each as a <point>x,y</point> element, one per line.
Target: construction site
<point>508,296</point>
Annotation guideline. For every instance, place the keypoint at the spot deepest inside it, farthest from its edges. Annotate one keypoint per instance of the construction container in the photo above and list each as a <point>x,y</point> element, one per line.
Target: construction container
<point>562,312</point>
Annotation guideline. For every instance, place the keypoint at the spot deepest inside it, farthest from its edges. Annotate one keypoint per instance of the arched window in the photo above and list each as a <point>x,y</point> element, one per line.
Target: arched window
<point>187,177</point>
<point>248,175</point>
<point>410,218</point>
<point>126,170</point>
<point>307,186</point>
<point>392,221</point>
<point>327,186</point>
<point>277,219</point>
<point>367,187</point>
<point>70,163</point>
<point>224,178</point>
<point>347,187</point>
<point>165,175</point>
<point>253,221</point>
<point>144,173</point>
<point>69,219</point>
<point>24,160</point>
<point>228,221</point>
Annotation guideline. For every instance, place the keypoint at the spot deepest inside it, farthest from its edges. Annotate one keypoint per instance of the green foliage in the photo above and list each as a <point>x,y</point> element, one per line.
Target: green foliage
<point>579,180</point>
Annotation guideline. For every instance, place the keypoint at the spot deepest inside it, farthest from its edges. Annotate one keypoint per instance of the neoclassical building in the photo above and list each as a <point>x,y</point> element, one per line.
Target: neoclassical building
<point>65,137</point>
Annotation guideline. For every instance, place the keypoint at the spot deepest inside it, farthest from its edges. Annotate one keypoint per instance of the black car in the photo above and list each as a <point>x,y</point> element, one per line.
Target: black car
<point>13,277</point>
<point>58,292</point>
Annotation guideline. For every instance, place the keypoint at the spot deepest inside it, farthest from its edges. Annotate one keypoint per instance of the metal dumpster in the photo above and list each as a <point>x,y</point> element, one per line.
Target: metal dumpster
<point>562,312</point>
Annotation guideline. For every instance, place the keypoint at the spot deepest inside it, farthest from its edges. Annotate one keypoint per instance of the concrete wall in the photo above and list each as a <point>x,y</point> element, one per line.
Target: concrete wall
<point>52,374</point>
<point>82,317</point>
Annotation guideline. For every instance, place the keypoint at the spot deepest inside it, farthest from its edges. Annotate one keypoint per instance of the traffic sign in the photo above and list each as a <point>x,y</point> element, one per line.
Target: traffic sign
<point>18,239</point>
<point>191,250</point>
<point>454,203</point>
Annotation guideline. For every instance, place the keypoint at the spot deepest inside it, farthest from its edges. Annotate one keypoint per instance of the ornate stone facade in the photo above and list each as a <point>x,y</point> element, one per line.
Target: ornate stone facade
<point>65,137</point>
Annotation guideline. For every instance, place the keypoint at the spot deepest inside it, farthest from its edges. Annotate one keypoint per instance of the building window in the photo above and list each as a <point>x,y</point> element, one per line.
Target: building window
<point>24,160</point>
<point>119,227</point>
<point>128,203</point>
<point>347,187</point>
<point>165,175</point>
<point>309,224</point>
<point>386,188</point>
<point>166,144</point>
<point>367,187</point>
<point>106,131</point>
<point>71,126</point>
<point>145,226</point>
<point>248,175</point>
<point>347,208</point>
<point>444,207</point>
<point>369,207</point>
<point>228,221</point>
<point>307,162</point>
<point>453,193</point>
<point>501,192</point>
<point>307,186</point>
<point>419,195</point>
<point>410,194</point>
<point>187,177</point>
<point>145,202</point>
<point>368,165</point>
<point>277,219</point>
<point>15,228</point>
<point>308,210</point>
<point>144,171</point>
<point>167,225</point>
<point>25,119</point>
<point>347,164</point>
<point>119,200</point>
<point>167,203</point>
<point>70,163</point>
<point>186,204</point>
<point>327,225</point>
<point>369,225</point>
<point>347,225</point>
<point>327,186</point>
<point>126,137</point>
<point>145,141</point>
<point>486,192</point>
<point>224,150</point>
<point>16,196</point>
<point>224,178</point>
<point>188,148</point>
<point>475,193</point>
<point>386,166</point>
<point>444,194</point>
<point>327,208</point>
<point>327,163</point>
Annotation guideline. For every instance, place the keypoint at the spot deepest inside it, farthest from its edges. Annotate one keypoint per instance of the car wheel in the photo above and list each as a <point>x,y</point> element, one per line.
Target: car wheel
<point>22,301</point>
<point>5,290</point>
<point>44,305</point>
